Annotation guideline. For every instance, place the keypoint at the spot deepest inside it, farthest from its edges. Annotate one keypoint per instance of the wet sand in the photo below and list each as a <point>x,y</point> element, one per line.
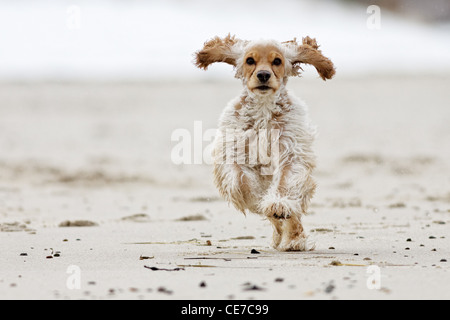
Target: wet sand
<point>89,195</point>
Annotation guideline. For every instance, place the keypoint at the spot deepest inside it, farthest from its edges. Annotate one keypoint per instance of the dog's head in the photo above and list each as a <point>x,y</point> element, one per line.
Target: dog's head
<point>265,65</point>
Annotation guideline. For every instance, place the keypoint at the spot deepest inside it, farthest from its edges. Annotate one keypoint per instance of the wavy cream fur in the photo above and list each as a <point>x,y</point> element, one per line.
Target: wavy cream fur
<point>282,188</point>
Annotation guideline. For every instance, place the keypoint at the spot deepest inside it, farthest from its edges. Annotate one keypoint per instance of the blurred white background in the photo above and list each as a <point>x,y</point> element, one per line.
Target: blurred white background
<point>138,39</point>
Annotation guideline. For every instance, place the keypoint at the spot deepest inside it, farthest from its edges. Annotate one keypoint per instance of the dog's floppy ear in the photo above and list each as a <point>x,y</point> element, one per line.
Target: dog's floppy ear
<point>308,52</point>
<point>226,50</point>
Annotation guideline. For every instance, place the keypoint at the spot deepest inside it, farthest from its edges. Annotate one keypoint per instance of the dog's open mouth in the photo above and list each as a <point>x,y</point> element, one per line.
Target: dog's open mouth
<point>263,88</point>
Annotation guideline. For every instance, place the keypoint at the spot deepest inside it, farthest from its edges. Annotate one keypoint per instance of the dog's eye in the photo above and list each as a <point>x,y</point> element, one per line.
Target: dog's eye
<point>250,61</point>
<point>276,62</point>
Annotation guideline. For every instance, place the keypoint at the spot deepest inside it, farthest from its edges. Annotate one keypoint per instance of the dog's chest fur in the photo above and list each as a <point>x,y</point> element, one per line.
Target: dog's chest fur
<point>262,113</point>
<point>279,116</point>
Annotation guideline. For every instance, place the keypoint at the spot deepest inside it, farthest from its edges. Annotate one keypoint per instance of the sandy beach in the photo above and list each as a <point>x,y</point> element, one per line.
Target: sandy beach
<point>93,207</point>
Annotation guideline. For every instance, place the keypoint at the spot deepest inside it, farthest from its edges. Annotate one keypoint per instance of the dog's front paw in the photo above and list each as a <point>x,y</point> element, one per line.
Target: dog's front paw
<point>300,243</point>
<point>279,207</point>
<point>278,211</point>
<point>274,208</point>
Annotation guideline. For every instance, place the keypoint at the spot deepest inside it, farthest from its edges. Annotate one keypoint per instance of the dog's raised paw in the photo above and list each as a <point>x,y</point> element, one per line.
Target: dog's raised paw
<point>279,211</point>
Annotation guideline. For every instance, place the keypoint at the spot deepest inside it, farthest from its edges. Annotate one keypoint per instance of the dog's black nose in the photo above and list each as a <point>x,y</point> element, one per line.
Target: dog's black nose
<point>263,76</point>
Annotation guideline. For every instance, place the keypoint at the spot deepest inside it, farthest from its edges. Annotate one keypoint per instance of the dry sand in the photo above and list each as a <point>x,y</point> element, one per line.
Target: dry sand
<point>88,192</point>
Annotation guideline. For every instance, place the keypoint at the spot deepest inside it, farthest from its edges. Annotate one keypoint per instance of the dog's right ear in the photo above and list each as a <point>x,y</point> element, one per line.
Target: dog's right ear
<point>226,50</point>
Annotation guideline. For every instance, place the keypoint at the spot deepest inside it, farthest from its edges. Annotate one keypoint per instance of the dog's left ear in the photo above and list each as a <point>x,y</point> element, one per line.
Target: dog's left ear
<point>308,52</point>
<point>225,50</point>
